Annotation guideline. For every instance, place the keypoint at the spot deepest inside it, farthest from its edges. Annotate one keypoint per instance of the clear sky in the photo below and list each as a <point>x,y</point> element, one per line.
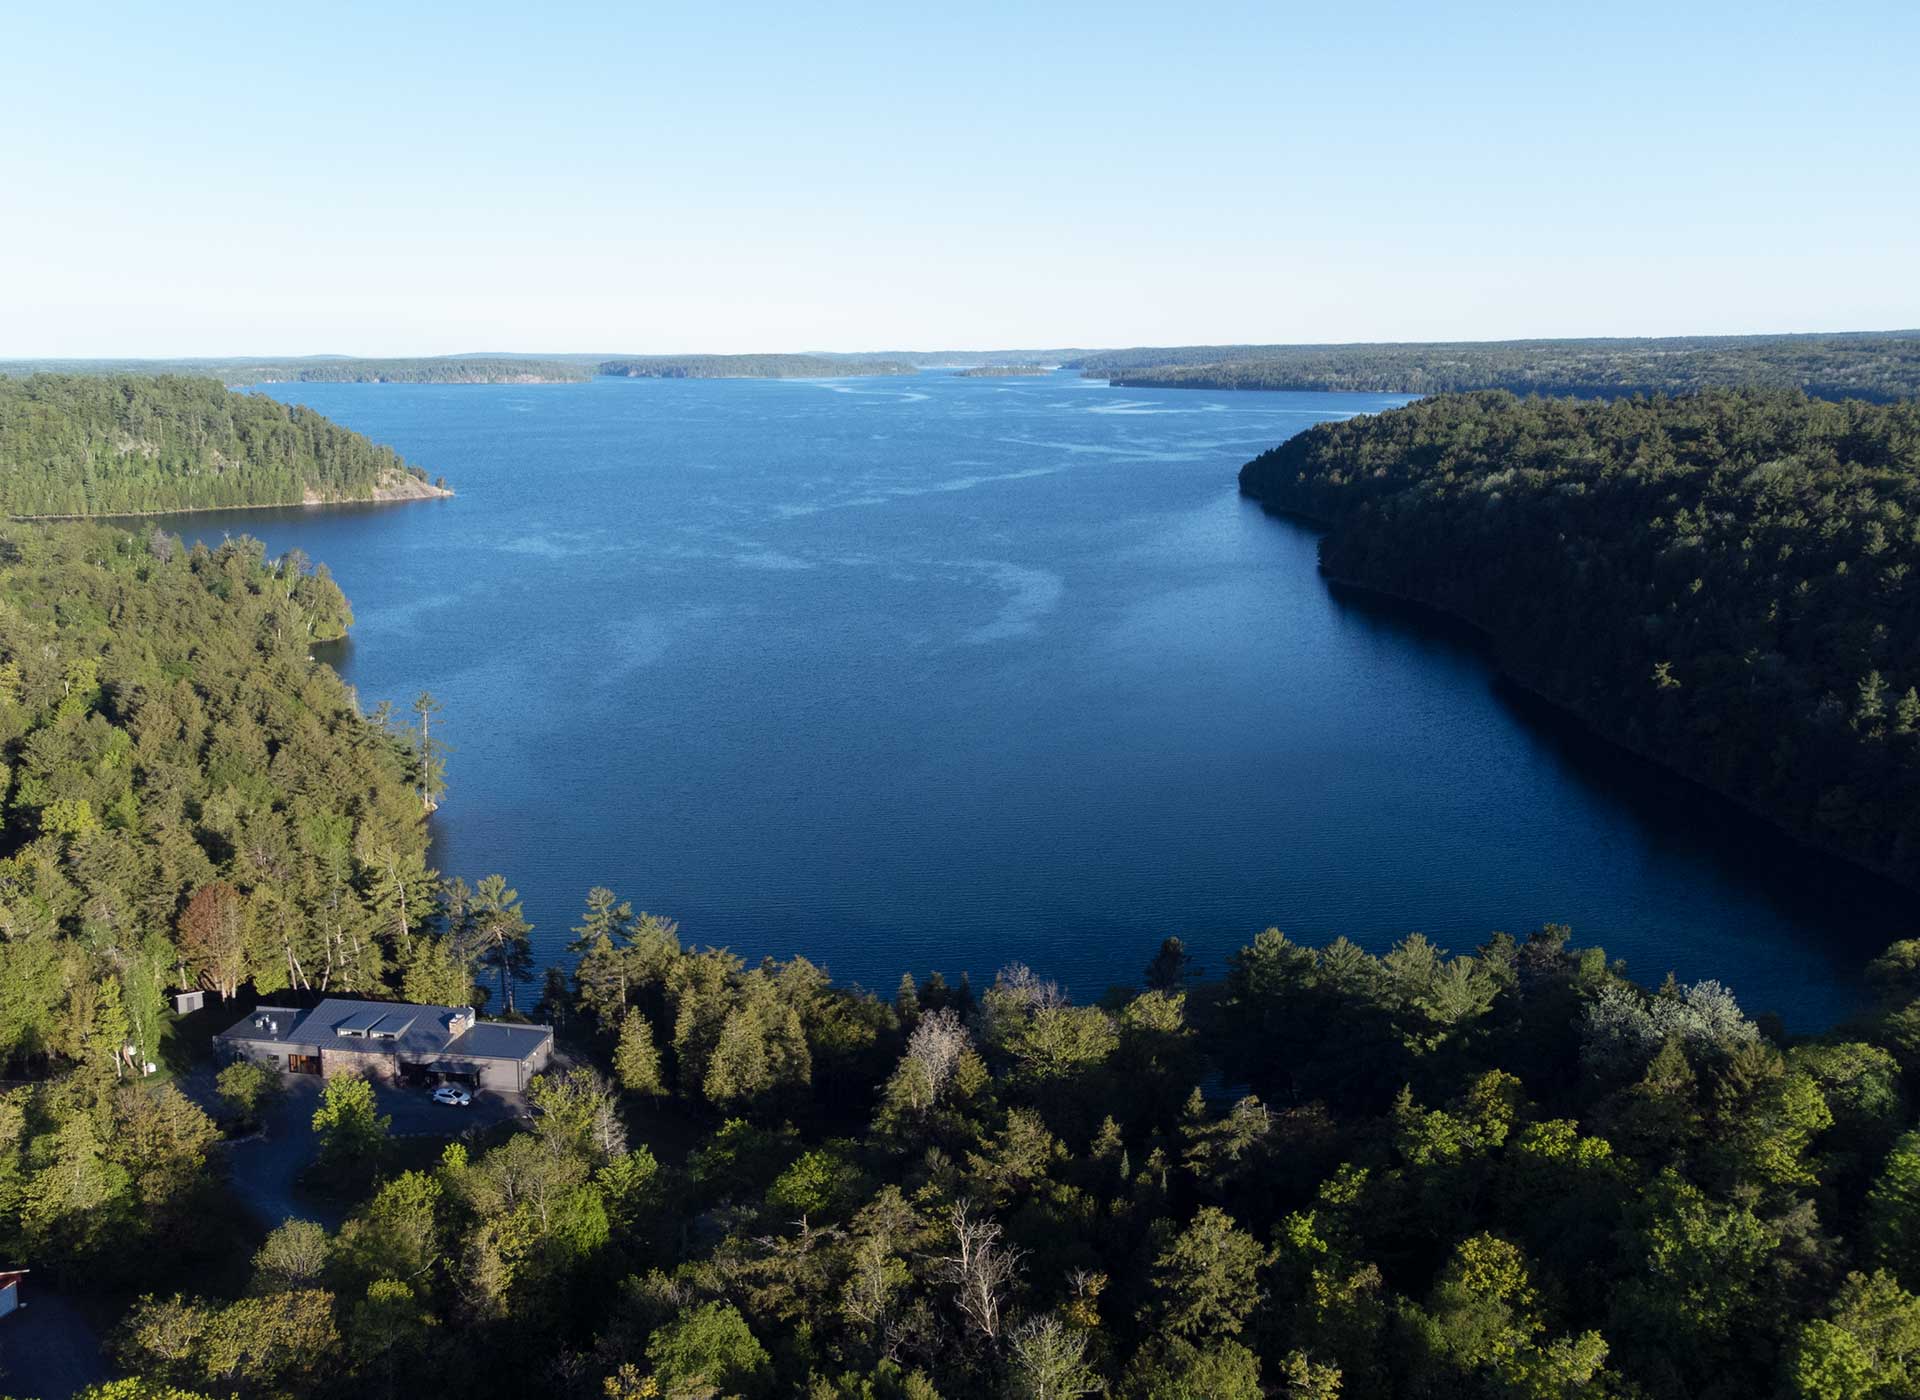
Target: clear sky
<point>385,178</point>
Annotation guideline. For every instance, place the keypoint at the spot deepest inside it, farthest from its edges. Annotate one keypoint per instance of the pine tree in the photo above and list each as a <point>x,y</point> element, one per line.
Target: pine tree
<point>607,916</point>
<point>637,1059</point>
<point>1871,710</point>
<point>906,1001</point>
<point>1906,715</point>
<point>429,753</point>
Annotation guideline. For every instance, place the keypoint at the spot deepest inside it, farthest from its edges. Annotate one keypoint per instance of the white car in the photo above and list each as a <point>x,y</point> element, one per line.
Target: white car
<point>453,1096</point>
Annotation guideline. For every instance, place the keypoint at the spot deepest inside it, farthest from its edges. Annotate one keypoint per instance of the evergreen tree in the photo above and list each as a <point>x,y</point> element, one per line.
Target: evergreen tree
<point>636,1060</point>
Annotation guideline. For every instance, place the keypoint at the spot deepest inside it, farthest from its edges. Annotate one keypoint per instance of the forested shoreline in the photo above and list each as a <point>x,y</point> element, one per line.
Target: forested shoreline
<point>1720,581</point>
<point>1510,1172</point>
<point>165,736</point>
<point>1878,367</point>
<point>76,445</point>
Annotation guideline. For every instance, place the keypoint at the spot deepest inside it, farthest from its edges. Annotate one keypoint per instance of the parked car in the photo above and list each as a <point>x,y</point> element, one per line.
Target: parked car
<point>453,1096</point>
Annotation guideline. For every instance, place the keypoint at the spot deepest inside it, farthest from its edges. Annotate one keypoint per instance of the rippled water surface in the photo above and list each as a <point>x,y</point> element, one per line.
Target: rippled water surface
<point>949,672</point>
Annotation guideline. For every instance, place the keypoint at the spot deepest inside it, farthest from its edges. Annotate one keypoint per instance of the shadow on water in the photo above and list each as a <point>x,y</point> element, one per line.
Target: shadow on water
<point>1681,820</point>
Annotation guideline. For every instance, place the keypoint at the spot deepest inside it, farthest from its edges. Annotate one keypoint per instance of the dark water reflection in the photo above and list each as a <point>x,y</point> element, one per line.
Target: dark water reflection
<point>1675,819</point>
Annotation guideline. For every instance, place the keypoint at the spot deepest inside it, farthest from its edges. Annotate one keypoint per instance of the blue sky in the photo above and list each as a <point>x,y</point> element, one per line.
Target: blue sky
<point>390,179</point>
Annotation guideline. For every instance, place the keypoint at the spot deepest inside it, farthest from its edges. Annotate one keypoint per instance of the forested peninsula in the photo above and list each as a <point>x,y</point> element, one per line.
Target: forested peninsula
<point>86,444</point>
<point>1880,367</point>
<point>1724,581</point>
<point>164,730</point>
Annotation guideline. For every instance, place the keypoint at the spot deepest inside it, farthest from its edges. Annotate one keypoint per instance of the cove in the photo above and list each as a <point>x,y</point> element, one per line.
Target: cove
<point>949,673</point>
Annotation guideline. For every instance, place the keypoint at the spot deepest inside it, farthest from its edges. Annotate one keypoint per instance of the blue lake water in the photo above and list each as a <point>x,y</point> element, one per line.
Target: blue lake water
<point>946,672</point>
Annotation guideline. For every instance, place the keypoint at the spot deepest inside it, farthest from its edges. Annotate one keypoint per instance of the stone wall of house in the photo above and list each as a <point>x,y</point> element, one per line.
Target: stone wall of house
<point>374,1064</point>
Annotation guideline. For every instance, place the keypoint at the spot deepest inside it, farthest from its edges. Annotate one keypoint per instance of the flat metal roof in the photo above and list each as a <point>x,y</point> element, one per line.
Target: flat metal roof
<point>498,1040</point>
<point>412,1031</point>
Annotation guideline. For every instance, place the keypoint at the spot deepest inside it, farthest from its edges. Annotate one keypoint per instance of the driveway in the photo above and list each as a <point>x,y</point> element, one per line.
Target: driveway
<point>265,1168</point>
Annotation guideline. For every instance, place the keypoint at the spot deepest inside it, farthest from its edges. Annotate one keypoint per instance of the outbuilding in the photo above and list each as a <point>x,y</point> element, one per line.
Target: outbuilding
<point>392,1040</point>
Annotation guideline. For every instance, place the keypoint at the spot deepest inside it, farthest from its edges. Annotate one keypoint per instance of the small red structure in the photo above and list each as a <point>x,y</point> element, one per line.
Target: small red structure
<point>10,1289</point>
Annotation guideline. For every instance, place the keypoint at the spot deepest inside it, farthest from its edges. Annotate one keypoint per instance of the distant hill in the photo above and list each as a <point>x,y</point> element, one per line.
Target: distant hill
<point>450,370</point>
<point>513,368</point>
<point>122,444</point>
<point>751,366</point>
<point>1877,366</point>
<point>330,369</point>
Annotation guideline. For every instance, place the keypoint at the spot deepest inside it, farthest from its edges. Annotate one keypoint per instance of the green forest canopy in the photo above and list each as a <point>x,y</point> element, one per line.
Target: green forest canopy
<point>1507,1173</point>
<point>1867,365</point>
<point>1727,581</point>
<point>74,444</point>
<point>164,731</point>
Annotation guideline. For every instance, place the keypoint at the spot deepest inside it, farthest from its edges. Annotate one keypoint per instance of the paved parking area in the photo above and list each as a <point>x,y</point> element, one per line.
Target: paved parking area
<point>414,1112</point>
<point>265,1168</point>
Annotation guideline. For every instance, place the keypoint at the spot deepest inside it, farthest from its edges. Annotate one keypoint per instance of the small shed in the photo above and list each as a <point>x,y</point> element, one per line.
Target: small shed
<point>186,1003</point>
<point>10,1289</point>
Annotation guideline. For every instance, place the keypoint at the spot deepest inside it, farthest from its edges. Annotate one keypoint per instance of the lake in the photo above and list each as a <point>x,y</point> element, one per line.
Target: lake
<point>947,673</point>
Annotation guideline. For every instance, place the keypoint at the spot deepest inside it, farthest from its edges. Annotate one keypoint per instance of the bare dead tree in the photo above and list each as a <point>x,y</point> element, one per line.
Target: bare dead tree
<point>1023,985</point>
<point>938,1042</point>
<point>981,1271</point>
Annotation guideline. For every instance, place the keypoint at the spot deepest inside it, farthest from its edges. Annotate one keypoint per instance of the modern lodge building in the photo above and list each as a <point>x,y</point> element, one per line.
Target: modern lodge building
<point>391,1040</point>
